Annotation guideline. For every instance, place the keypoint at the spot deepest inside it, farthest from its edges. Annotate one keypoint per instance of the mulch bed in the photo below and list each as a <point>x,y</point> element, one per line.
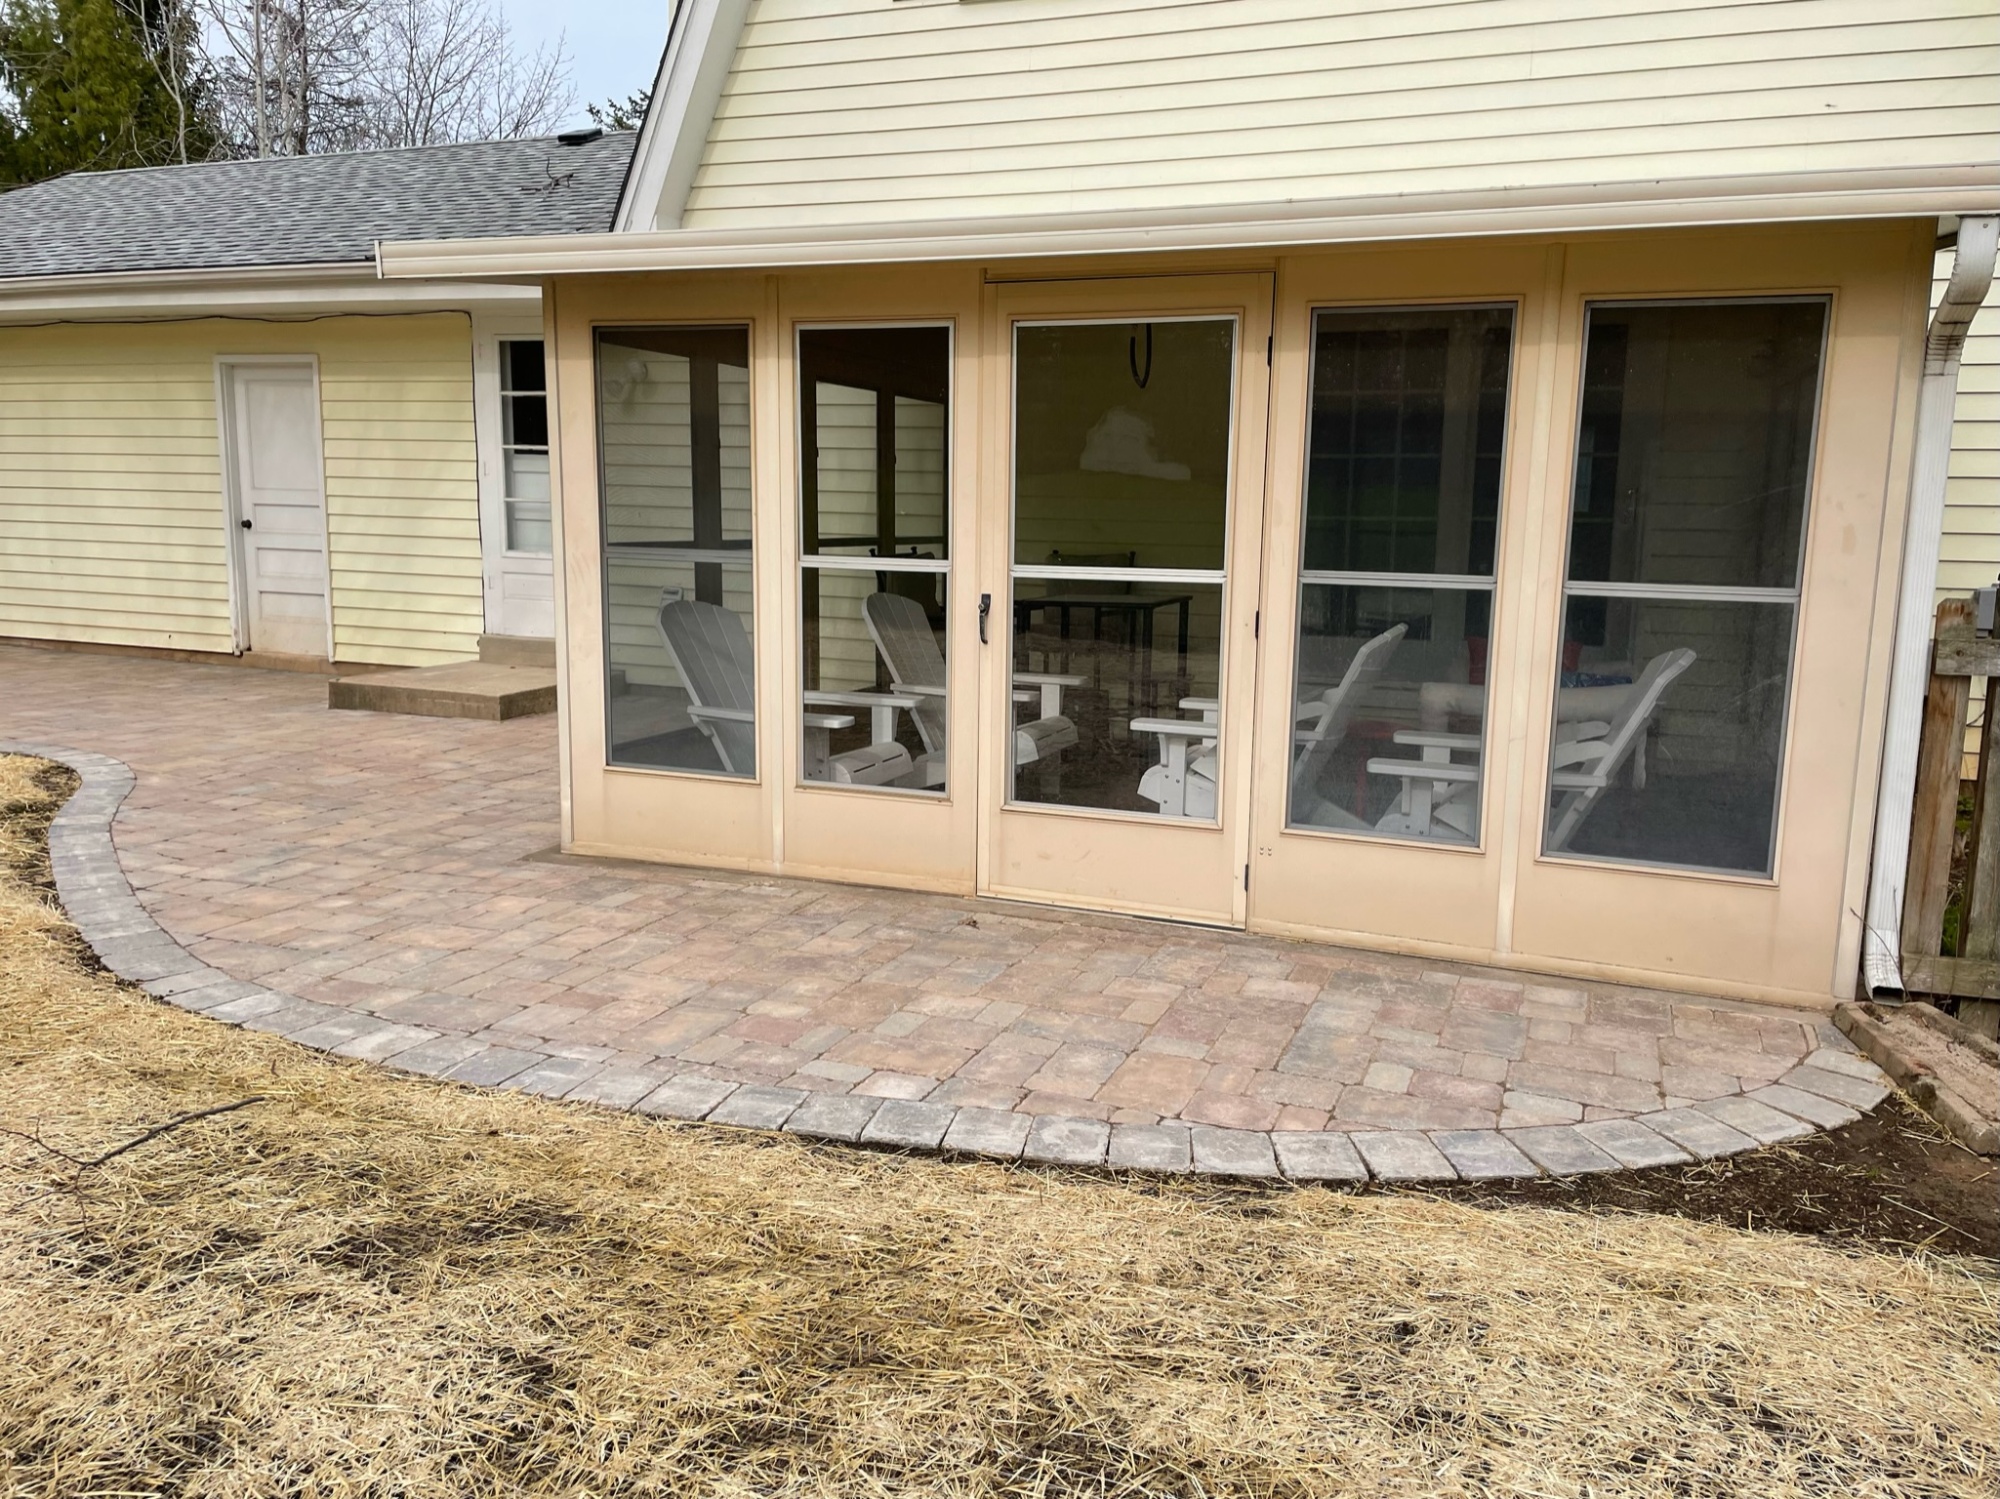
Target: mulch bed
<point>1892,1180</point>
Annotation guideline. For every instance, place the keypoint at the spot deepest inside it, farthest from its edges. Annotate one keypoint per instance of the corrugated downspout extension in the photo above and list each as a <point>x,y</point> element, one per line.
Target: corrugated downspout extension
<point>1909,679</point>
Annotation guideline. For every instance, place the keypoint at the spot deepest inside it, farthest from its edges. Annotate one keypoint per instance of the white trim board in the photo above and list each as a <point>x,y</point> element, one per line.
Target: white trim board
<point>350,289</point>
<point>701,48</point>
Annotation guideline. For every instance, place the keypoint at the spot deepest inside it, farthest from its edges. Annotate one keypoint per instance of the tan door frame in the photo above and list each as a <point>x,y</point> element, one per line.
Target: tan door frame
<point>1247,298</point>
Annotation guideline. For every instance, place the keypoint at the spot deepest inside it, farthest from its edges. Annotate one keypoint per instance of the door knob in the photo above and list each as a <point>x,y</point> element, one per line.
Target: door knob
<point>244,523</point>
<point>985,608</point>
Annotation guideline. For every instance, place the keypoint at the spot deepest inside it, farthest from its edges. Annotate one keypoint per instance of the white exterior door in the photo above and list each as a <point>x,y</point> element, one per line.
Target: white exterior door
<point>516,531</point>
<point>280,507</point>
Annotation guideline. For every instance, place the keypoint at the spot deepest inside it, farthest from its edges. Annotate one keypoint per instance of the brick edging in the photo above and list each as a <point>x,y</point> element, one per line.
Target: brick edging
<point>1829,1088</point>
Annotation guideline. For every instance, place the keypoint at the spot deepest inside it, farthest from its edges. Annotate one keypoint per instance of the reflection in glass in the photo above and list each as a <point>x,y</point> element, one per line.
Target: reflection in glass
<point>1409,412</point>
<point>1121,507</point>
<point>1403,470</point>
<point>1694,453</point>
<point>674,455</point>
<point>1695,443</point>
<point>1121,443</point>
<point>874,515</point>
<point>1389,710</point>
<point>1671,732</point>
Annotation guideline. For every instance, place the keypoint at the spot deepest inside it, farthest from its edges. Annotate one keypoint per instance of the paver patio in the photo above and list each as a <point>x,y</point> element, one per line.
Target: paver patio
<point>388,887</point>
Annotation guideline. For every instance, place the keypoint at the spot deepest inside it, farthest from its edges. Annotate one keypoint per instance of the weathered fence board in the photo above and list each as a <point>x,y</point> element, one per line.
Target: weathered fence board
<point>1957,656</point>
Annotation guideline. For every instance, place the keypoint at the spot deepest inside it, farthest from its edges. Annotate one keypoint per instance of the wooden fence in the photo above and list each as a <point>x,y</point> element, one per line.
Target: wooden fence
<point>1958,654</point>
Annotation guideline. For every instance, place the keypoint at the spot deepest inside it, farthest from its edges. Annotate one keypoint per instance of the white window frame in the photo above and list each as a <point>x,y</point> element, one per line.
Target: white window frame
<point>489,426</point>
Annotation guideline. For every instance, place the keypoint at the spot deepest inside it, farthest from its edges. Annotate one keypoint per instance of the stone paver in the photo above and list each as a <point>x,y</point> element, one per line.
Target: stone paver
<point>1067,1141</point>
<point>989,1132</point>
<point>1857,1093</point>
<point>1699,1134</point>
<point>1561,1151</point>
<point>909,1124</point>
<point>1403,1156</point>
<point>757,1108</point>
<point>1630,1143</point>
<point>1810,1107</point>
<point>1232,1152</point>
<point>1319,1156</point>
<point>686,1097</point>
<point>386,887</point>
<point>1482,1154</point>
<point>1759,1121</point>
<point>1151,1147</point>
<point>833,1116</point>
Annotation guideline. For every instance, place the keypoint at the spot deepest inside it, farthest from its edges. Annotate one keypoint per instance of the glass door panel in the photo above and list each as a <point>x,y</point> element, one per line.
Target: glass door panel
<point>1402,513</point>
<point>674,450</point>
<point>1121,519</point>
<point>875,522</point>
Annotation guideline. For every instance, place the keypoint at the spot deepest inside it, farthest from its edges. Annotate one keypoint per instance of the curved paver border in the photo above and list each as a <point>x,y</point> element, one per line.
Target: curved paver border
<point>1832,1086</point>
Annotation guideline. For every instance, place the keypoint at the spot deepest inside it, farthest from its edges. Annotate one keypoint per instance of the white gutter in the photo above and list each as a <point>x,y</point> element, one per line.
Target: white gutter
<point>1796,197</point>
<point>251,291</point>
<point>1909,680</point>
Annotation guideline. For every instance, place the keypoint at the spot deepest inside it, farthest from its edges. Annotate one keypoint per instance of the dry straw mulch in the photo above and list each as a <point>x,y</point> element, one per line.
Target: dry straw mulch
<point>371,1285</point>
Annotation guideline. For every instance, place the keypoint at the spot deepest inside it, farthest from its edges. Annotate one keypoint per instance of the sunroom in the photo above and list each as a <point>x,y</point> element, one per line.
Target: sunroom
<point>1516,601</point>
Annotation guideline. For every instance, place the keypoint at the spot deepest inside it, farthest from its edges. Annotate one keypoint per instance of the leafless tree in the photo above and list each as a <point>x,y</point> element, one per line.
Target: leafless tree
<point>300,76</point>
<point>448,70</point>
<point>290,73</point>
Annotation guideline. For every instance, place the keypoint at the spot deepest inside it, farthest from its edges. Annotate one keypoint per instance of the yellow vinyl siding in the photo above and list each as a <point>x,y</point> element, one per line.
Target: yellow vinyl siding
<point>111,506</point>
<point>1970,556</point>
<point>866,111</point>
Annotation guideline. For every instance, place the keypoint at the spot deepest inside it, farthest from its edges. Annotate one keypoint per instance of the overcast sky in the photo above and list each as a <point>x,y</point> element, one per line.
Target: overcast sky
<point>614,45</point>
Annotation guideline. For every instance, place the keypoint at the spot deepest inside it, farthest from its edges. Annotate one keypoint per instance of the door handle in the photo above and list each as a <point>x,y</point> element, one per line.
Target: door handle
<point>985,608</point>
<point>244,523</point>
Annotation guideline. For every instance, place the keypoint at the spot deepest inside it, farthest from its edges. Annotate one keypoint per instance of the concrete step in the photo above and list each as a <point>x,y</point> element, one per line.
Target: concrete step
<point>464,689</point>
<point>517,650</point>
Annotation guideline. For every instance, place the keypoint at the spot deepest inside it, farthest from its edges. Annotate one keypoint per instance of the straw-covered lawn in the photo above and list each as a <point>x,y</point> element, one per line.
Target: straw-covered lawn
<point>367,1285</point>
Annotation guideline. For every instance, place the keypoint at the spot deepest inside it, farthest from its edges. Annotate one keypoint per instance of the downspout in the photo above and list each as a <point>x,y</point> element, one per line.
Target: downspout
<point>1909,678</point>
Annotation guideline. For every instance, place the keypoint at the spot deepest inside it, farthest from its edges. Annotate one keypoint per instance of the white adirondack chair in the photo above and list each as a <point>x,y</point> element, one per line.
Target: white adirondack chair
<point>902,633</point>
<point>711,651</point>
<point>1182,783</point>
<point>1439,799</point>
<point>1582,767</point>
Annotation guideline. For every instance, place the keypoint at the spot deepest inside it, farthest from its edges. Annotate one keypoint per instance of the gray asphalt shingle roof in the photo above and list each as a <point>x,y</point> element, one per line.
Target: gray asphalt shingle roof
<point>305,210</point>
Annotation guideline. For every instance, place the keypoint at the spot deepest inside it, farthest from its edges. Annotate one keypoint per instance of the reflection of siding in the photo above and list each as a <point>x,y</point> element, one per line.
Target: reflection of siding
<point>648,496</point>
<point>856,111</point>
<point>1971,552</point>
<point>845,419</point>
<point>111,512</point>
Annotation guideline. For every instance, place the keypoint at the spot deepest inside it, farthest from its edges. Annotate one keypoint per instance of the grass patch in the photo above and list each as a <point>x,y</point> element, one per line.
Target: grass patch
<point>370,1285</point>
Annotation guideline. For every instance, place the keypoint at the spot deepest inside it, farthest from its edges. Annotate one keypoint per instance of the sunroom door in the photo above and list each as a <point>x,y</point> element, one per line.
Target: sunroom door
<point>1119,641</point>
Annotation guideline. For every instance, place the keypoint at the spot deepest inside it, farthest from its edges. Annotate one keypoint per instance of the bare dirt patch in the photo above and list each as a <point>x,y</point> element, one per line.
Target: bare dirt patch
<point>374,1286</point>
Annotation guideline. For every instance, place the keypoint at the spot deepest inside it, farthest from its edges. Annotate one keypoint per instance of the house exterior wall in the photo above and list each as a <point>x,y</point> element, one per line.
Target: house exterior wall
<point>111,498</point>
<point>1792,936</point>
<point>1970,555</point>
<point>862,111</point>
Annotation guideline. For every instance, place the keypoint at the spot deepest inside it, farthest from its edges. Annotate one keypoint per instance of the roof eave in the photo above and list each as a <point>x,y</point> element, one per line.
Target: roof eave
<point>1598,207</point>
<point>701,47</point>
<point>292,290</point>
